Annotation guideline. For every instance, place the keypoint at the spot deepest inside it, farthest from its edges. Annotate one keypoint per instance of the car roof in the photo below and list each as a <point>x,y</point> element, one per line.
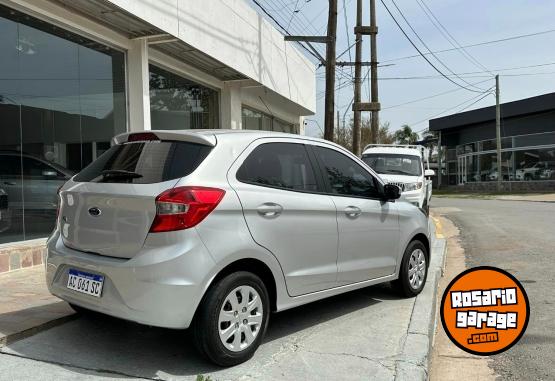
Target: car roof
<point>393,150</point>
<point>209,137</point>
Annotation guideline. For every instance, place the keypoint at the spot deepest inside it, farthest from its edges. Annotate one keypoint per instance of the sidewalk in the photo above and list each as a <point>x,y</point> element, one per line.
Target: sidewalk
<point>531,197</point>
<point>26,306</point>
<point>549,197</point>
<point>365,334</point>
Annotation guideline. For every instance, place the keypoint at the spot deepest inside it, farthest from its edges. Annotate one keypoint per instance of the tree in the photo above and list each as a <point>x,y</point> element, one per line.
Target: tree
<point>384,135</point>
<point>405,135</point>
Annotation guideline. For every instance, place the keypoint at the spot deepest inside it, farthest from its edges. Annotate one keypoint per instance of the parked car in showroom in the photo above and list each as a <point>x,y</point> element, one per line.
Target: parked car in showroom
<point>216,229</point>
<point>548,171</point>
<point>5,212</point>
<point>42,180</point>
<point>534,171</point>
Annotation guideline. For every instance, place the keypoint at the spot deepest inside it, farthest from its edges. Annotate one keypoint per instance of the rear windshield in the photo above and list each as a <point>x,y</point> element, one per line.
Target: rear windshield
<point>394,164</point>
<point>144,162</point>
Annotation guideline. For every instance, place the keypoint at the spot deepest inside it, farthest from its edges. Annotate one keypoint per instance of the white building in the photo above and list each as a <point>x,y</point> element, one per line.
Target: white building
<point>77,72</point>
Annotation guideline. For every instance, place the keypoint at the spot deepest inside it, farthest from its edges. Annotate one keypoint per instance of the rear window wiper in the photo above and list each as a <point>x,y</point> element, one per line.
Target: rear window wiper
<point>120,173</point>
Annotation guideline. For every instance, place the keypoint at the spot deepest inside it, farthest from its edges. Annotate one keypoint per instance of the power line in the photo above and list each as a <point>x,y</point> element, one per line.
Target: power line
<point>471,74</point>
<point>474,45</point>
<point>420,52</point>
<point>284,30</point>
<point>449,109</point>
<point>448,36</point>
<point>431,96</point>
<point>473,103</point>
<point>428,48</point>
<point>347,32</point>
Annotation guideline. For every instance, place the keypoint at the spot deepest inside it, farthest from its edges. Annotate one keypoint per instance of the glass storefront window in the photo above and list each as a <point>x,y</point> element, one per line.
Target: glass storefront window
<point>535,140</point>
<point>177,103</point>
<point>256,120</point>
<point>62,98</point>
<point>536,164</point>
<point>491,145</point>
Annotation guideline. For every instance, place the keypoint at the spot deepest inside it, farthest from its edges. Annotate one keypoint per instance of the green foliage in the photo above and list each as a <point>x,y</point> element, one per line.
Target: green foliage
<point>405,135</point>
<point>344,136</point>
<point>201,377</point>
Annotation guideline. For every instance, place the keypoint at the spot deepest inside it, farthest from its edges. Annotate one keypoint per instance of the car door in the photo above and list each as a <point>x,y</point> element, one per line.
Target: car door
<point>368,227</point>
<point>285,212</point>
<point>42,182</point>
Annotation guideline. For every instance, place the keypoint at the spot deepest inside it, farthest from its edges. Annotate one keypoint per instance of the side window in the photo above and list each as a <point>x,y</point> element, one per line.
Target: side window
<point>346,176</point>
<point>10,166</point>
<point>280,165</point>
<point>37,169</point>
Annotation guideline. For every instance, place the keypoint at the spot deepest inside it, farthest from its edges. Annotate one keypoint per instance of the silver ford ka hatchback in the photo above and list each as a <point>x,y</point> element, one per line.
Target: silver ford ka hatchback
<point>216,229</point>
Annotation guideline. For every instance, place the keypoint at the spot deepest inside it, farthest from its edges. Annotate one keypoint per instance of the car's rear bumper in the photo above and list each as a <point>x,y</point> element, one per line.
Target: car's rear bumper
<point>160,286</point>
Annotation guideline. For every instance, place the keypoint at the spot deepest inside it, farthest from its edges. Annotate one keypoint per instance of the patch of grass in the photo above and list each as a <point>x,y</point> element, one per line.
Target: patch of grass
<point>202,377</point>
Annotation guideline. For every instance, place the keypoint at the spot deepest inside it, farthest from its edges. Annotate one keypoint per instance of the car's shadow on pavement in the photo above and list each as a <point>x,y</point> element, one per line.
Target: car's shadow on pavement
<point>118,348</point>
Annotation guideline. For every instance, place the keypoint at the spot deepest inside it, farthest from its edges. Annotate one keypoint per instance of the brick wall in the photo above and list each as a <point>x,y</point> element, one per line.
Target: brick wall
<point>19,256</point>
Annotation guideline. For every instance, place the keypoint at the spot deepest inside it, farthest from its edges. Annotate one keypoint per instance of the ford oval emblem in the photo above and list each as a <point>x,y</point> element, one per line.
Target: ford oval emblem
<point>94,211</point>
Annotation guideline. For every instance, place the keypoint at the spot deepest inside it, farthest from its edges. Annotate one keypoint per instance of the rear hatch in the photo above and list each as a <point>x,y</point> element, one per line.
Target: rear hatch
<point>108,208</point>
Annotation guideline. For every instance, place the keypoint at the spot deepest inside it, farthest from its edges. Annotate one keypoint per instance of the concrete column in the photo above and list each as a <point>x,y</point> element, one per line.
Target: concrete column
<point>139,96</point>
<point>301,125</point>
<point>231,106</point>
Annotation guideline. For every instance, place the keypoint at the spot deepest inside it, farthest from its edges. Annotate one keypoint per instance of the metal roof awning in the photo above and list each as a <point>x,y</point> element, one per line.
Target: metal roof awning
<point>125,23</point>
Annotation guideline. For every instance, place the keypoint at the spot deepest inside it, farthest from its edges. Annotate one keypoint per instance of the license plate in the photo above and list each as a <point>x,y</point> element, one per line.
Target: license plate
<point>85,283</point>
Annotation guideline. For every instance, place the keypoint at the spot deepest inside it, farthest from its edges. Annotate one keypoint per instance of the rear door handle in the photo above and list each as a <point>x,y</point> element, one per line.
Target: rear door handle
<point>269,210</point>
<point>353,211</point>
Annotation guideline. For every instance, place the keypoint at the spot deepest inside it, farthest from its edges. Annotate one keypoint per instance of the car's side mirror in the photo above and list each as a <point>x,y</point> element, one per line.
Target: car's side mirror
<point>391,192</point>
<point>429,173</point>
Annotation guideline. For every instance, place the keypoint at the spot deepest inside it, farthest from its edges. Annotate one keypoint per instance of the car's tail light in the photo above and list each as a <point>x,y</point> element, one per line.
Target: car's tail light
<point>58,202</point>
<point>184,207</point>
<point>142,137</point>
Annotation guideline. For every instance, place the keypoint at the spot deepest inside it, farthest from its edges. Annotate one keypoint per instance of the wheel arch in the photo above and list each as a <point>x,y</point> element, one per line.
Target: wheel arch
<point>255,266</point>
<point>424,239</point>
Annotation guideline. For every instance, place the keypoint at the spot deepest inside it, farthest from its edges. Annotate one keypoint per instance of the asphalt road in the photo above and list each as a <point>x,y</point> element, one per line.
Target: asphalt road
<point>518,237</point>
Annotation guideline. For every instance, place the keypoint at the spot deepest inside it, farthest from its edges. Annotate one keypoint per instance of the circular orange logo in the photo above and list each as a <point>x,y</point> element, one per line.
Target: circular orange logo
<point>485,310</point>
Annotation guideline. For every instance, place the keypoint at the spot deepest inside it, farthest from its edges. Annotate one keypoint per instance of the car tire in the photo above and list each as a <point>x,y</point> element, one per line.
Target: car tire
<point>224,311</point>
<point>406,285</point>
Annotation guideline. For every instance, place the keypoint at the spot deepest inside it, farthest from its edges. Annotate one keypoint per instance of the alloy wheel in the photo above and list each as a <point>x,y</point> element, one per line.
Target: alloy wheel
<point>240,318</point>
<point>417,268</point>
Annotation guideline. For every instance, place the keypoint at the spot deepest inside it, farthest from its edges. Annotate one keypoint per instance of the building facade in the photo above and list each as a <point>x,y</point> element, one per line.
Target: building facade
<point>74,73</point>
<point>469,146</point>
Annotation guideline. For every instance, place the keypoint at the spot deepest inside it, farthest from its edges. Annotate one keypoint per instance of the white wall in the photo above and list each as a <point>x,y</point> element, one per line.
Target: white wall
<point>236,35</point>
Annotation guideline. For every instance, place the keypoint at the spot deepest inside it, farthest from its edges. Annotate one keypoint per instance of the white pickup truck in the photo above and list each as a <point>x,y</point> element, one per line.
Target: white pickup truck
<point>403,165</point>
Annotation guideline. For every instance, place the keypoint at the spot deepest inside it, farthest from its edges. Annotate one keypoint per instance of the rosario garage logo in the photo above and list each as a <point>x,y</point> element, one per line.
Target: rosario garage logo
<point>484,310</point>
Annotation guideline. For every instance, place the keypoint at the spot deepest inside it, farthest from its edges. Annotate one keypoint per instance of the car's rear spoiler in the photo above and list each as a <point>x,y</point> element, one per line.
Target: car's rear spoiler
<point>191,136</point>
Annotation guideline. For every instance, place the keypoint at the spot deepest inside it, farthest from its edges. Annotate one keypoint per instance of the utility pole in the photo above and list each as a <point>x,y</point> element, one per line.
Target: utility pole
<point>372,106</point>
<point>358,69</point>
<point>330,70</point>
<point>328,62</point>
<point>498,133</point>
<point>375,117</point>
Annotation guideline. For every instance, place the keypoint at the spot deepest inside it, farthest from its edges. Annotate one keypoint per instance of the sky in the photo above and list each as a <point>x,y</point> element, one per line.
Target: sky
<point>467,21</point>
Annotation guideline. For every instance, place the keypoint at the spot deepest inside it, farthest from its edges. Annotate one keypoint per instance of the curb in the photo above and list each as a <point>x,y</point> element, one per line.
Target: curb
<point>414,360</point>
<point>10,339</point>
